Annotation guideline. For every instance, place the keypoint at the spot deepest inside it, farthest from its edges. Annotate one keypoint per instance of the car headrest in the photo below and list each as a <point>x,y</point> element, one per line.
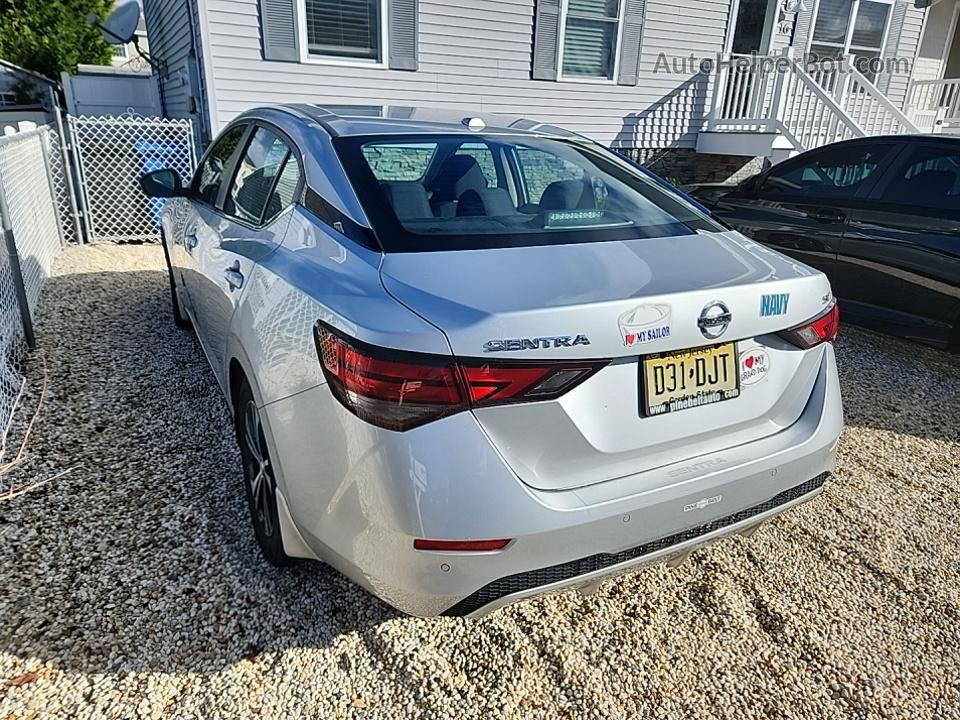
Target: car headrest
<point>566,195</point>
<point>408,200</point>
<point>488,202</point>
<point>458,174</point>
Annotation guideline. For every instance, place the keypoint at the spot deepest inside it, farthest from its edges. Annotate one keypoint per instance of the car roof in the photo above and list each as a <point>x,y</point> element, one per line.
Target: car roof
<point>350,120</point>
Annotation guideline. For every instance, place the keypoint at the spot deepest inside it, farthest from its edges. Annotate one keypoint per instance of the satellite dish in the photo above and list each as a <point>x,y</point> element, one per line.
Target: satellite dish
<point>121,26</point>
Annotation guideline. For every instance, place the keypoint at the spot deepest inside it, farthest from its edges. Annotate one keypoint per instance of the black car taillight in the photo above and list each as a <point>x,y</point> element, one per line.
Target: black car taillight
<point>400,390</point>
<point>823,328</point>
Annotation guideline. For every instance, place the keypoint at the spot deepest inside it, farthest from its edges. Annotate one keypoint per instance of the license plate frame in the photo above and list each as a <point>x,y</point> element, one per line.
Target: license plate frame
<point>646,410</point>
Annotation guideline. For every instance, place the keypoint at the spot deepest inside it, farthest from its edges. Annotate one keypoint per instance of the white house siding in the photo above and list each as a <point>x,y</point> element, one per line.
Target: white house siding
<point>906,50</point>
<point>168,24</point>
<point>476,55</point>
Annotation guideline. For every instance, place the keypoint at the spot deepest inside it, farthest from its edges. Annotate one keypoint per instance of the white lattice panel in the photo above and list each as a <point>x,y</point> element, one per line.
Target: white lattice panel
<point>112,153</point>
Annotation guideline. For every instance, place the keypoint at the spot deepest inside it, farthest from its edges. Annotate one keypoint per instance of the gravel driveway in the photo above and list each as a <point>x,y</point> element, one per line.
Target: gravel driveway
<point>131,587</point>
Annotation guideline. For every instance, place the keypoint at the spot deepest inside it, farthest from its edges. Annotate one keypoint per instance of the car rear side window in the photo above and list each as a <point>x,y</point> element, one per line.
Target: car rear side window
<point>468,197</point>
<point>930,179</point>
<point>833,173</point>
<point>284,192</point>
<point>256,174</point>
<point>209,176</point>
<point>540,169</point>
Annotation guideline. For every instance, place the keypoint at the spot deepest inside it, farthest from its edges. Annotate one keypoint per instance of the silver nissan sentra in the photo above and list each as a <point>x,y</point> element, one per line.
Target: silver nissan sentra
<point>475,359</point>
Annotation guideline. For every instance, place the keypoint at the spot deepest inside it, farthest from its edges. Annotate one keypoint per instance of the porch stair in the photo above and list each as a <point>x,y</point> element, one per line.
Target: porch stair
<point>770,106</point>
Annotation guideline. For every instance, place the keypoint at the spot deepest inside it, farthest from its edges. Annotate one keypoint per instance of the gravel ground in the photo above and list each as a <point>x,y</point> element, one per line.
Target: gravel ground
<point>131,587</point>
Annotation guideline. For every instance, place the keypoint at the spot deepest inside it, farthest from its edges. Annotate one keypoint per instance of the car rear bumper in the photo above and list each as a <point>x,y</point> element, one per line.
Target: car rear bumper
<point>359,496</point>
<point>602,566</point>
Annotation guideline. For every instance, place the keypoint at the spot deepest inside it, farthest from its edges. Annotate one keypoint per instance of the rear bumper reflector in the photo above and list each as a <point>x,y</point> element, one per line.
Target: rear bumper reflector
<point>460,545</point>
<point>575,568</point>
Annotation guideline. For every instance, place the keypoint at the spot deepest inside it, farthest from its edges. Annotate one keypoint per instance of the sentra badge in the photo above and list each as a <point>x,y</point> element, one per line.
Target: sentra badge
<point>644,324</point>
<point>540,343</point>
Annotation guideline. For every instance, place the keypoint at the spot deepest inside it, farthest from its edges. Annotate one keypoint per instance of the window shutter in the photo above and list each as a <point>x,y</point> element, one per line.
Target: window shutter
<point>803,25</point>
<point>892,46</point>
<point>546,40</point>
<point>402,23</point>
<point>278,30</point>
<point>631,40</point>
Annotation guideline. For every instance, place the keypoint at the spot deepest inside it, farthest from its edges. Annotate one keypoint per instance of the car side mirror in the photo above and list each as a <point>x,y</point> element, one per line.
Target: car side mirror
<point>162,184</point>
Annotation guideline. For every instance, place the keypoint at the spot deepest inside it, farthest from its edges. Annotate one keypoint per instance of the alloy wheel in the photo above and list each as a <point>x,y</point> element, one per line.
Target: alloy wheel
<point>259,472</point>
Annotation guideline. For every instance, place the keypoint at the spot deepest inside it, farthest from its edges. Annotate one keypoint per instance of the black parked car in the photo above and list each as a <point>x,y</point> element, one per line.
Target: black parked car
<point>880,216</point>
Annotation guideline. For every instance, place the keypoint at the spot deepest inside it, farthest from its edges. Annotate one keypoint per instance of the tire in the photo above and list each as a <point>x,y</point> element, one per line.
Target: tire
<point>180,318</point>
<point>259,482</point>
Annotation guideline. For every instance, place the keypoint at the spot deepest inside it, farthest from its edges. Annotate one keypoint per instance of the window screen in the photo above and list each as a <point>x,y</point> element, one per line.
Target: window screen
<point>590,38</point>
<point>256,173</point>
<point>209,176</point>
<point>344,28</point>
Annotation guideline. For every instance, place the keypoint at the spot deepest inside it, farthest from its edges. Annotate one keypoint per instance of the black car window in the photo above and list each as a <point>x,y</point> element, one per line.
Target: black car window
<point>930,178</point>
<point>284,192</point>
<point>256,173</point>
<point>209,177</point>
<point>832,173</point>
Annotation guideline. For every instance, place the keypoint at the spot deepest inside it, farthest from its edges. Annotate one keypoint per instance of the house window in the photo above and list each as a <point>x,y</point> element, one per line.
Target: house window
<point>345,29</point>
<point>854,27</point>
<point>591,30</point>
<point>8,98</point>
<point>120,51</point>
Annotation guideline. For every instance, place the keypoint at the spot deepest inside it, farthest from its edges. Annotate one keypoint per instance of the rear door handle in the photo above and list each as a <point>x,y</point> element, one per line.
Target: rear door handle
<point>234,277</point>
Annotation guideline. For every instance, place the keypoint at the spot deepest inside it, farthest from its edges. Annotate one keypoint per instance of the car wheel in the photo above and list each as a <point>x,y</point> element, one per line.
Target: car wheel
<point>179,316</point>
<point>259,480</point>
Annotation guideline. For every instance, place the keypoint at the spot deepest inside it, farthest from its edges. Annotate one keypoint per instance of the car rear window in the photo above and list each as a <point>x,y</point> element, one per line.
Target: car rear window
<point>457,192</point>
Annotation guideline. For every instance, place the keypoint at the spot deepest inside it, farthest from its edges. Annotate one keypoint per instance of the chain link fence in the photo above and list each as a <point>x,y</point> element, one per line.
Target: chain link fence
<point>33,232</point>
<point>56,190</point>
<point>111,153</point>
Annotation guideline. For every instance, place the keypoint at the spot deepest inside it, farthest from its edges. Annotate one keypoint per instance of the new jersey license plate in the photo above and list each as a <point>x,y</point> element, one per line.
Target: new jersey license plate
<point>689,378</point>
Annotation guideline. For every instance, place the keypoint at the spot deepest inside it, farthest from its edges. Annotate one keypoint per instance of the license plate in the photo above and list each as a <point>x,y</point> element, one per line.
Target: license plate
<point>689,378</point>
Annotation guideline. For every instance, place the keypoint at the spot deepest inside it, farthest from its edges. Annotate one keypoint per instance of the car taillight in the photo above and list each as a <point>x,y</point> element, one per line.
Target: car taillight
<point>401,390</point>
<point>821,329</point>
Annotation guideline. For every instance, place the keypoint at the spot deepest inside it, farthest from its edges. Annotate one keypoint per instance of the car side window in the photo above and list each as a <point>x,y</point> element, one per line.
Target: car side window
<point>541,169</point>
<point>256,172</point>
<point>484,157</point>
<point>400,162</point>
<point>835,173</point>
<point>209,176</point>
<point>284,192</point>
<point>930,178</point>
